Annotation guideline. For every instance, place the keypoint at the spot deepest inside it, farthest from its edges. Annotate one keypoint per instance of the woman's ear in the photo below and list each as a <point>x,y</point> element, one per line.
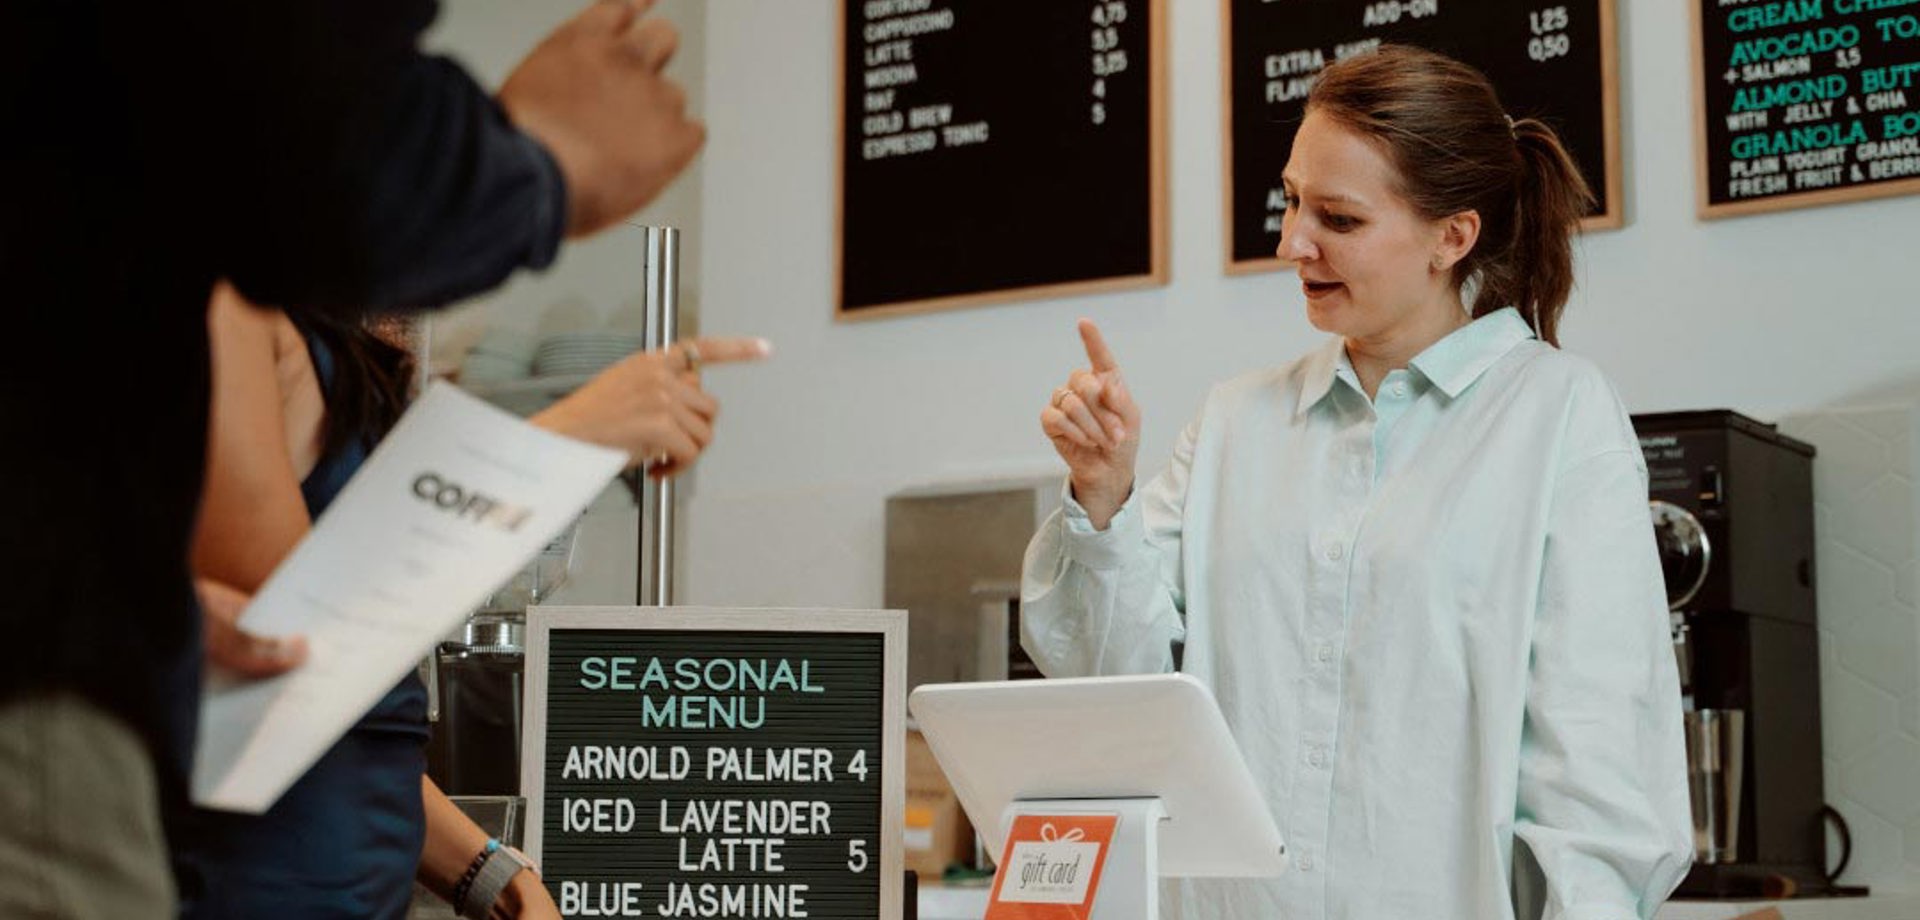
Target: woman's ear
<point>1458,233</point>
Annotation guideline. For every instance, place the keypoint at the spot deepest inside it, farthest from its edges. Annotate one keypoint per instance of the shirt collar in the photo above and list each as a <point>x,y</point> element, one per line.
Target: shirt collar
<point>1320,367</point>
<point>1455,362</point>
<point>1452,364</point>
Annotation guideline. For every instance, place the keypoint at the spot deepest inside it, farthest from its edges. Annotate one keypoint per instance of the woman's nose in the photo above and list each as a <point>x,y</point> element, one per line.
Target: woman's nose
<point>1294,245</point>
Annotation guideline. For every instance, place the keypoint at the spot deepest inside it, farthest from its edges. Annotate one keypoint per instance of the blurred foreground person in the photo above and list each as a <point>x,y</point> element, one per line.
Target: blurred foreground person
<point>310,152</point>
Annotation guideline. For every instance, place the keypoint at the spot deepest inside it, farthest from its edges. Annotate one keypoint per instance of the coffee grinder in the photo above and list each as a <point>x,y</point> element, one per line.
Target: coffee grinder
<point>1732,505</point>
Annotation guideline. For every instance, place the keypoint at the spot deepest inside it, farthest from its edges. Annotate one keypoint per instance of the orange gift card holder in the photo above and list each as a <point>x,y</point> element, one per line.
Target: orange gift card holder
<point>1050,869</point>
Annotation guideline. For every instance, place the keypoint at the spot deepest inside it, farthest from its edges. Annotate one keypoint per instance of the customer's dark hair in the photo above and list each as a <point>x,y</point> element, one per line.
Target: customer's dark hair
<point>368,389</point>
<point>1442,126</point>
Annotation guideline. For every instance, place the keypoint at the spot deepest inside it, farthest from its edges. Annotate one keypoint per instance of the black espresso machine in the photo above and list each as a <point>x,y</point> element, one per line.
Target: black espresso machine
<point>1732,505</point>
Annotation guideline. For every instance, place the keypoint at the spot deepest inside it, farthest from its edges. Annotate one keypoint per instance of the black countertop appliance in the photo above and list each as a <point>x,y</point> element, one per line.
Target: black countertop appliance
<point>1732,503</point>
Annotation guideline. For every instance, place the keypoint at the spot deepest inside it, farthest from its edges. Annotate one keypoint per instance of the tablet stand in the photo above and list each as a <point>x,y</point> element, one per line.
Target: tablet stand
<point>1153,749</point>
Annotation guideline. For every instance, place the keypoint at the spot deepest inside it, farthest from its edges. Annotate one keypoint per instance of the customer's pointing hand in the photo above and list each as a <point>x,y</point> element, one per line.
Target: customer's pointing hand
<point>651,404</point>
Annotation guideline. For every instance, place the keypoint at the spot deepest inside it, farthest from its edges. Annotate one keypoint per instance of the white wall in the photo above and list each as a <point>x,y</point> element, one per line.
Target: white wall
<point>1866,518</point>
<point>1768,314</point>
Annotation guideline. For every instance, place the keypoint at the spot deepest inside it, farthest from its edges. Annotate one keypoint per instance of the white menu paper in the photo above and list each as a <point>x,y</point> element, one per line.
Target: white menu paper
<point>456,500</point>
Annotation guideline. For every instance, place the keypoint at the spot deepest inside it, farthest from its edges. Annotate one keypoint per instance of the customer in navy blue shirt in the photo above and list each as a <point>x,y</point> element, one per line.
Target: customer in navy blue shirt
<point>298,405</point>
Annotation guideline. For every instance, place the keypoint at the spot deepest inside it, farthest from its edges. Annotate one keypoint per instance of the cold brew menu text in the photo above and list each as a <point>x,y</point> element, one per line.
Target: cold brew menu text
<point>722,773</point>
<point>1549,60</point>
<point>995,150</point>
<point>1806,101</point>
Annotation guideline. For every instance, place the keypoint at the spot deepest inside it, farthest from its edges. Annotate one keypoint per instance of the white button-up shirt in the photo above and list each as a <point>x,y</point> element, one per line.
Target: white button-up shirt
<point>1435,622</point>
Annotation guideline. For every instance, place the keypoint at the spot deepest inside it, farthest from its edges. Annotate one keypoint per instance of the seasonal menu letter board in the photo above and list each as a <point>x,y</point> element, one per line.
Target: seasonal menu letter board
<point>1553,61</point>
<point>1805,102</point>
<point>692,762</point>
<point>997,151</point>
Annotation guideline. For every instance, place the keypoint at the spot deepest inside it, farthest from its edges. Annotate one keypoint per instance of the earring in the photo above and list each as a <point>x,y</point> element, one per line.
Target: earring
<point>1436,263</point>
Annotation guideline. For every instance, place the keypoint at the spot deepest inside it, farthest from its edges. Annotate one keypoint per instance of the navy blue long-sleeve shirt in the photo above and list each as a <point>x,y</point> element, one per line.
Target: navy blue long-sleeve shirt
<point>305,149</point>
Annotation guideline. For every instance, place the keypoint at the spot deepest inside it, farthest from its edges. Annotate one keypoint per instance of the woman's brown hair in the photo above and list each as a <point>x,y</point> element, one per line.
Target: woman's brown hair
<point>1455,149</point>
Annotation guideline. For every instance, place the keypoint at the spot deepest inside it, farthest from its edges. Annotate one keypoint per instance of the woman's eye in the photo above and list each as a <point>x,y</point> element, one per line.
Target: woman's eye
<point>1292,202</point>
<point>1340,222</point>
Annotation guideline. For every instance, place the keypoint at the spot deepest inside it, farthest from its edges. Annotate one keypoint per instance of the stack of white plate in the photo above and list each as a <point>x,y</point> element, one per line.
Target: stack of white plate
<point>501,356</point>
<point>582,354</point>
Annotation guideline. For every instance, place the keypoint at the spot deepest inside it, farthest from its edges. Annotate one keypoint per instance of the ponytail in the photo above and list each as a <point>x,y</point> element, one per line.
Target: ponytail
<point>1535,273</point>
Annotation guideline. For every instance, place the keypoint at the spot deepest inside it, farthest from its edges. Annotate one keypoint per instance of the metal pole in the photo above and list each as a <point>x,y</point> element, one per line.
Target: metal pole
<point>660,301</point>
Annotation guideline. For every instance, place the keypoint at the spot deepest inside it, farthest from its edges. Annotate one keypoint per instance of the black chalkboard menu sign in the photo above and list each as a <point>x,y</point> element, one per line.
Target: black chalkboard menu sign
<point>998,150</point>
<point>687,762</point>
<point>1805,102</point>
<point>1553,61</point>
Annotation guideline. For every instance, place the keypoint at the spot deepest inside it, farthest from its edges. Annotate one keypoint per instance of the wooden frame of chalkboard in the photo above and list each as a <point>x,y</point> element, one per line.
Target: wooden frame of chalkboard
<point>915,291</point>
<point>849,637</point>
<point>1705,172</point>
<point>1612,214</point>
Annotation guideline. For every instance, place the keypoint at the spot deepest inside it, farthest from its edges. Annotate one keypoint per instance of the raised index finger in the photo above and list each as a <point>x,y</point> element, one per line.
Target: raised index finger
<point>1097,351</point>
<point>721,351</point>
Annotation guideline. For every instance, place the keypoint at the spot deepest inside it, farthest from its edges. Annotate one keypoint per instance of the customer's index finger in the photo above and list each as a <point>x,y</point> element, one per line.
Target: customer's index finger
<point>722,351</point>
<point>1098,354</point>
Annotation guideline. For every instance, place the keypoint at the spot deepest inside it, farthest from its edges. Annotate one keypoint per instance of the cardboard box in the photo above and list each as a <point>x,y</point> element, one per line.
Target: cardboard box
<point>936,829</point>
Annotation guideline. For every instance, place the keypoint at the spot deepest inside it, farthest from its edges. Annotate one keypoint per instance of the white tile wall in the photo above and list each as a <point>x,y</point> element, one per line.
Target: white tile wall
<point>1866,519</point>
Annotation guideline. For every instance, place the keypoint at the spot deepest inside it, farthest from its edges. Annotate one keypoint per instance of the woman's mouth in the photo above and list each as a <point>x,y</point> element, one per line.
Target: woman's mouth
<point>1318,289</point>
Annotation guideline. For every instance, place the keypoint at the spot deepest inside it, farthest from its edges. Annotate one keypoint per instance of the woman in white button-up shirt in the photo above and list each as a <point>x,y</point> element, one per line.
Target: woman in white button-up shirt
<point>1415,566</point>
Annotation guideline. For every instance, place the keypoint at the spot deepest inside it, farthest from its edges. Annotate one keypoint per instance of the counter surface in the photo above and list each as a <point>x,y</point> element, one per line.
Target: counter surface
<point>938,903</point>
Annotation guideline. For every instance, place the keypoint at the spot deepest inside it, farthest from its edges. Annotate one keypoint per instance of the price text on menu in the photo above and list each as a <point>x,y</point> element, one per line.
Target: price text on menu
<point>994,146</point>
<point>1547,60</point>
<point>1804,98</point>
<point>713,774</point>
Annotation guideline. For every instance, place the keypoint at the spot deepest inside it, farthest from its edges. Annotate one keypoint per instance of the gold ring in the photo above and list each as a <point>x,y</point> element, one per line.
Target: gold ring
<point>1060,396</point>
<point>690,353</point>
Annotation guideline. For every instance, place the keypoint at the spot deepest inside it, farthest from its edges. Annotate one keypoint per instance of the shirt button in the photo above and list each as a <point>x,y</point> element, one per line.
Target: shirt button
<point>1306,862</point>
<point>1317,757</point>
<point>1336,552</point>
<point>1323,653</point>
<point>1399,389</point>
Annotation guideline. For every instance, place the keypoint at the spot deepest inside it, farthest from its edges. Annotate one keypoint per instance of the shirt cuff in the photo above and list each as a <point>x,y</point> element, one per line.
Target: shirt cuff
<point>1112,548</point>
<point>549,202</point>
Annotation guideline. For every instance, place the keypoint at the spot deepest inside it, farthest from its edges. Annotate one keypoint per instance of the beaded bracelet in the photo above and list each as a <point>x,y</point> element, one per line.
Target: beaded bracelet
<point>473,871</point>
<point>497,872</point>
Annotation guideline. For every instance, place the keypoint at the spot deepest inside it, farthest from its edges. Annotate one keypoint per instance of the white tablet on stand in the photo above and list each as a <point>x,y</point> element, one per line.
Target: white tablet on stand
<point>1153,746</point>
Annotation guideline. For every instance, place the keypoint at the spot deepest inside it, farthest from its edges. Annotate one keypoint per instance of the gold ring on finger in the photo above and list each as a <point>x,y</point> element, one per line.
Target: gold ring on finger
<point>690,353</point>
<point>1060,397</point>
